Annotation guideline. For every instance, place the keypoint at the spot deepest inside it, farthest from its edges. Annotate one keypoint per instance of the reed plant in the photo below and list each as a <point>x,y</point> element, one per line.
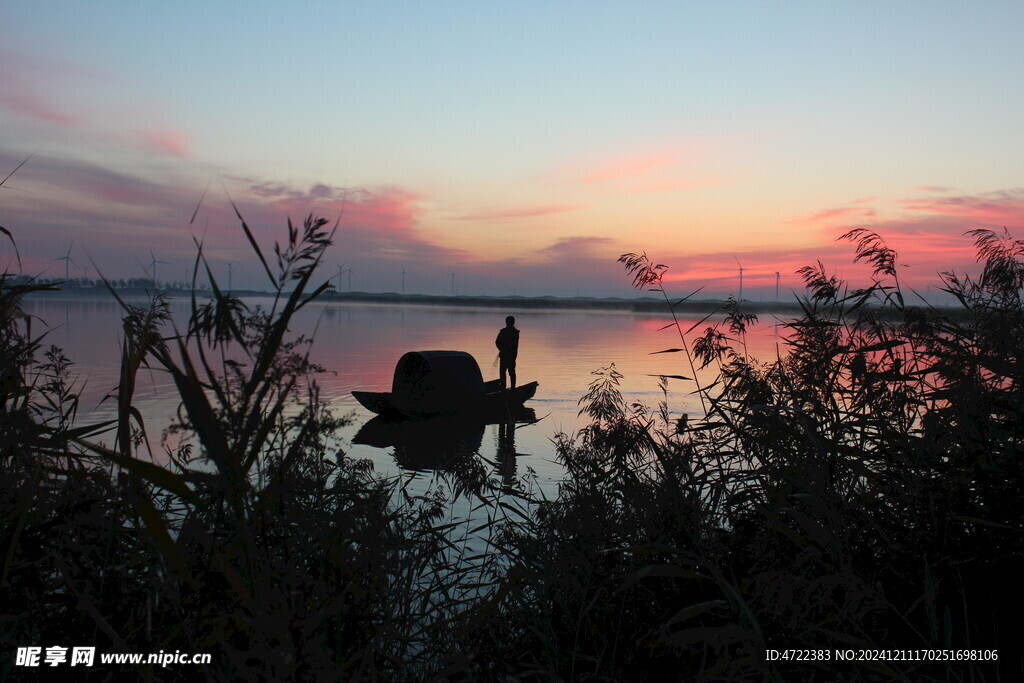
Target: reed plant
<point>860,491</point>
<point>251,536</point>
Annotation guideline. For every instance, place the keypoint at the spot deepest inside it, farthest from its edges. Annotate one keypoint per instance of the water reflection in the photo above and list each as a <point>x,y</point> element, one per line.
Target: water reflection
<point>358,345</point>
<point>506,456</point>
<point>447,445</point>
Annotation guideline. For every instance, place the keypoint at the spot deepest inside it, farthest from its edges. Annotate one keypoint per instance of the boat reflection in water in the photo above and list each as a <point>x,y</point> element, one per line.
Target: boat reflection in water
<point>449,445</point>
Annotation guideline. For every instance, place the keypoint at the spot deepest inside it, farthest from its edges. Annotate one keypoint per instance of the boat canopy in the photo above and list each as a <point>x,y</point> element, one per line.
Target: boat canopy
<point>442,380</point>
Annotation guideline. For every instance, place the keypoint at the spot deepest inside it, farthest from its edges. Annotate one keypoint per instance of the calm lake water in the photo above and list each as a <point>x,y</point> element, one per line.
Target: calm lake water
<point>359,346</point>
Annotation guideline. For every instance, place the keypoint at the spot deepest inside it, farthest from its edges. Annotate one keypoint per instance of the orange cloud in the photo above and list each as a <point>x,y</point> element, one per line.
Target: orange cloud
<point>834,214</point>
<point>514,213</point>
<point>668,186</point>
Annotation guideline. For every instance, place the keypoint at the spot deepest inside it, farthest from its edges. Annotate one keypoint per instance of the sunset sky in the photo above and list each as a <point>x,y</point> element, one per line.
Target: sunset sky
<point>520,145</point>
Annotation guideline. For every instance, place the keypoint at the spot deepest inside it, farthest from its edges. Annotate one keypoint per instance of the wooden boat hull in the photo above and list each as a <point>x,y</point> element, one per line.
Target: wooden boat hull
<point>495,403</point>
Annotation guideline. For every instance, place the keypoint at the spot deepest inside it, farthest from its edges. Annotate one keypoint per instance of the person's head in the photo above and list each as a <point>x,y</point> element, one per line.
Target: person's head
<point>510,321</point>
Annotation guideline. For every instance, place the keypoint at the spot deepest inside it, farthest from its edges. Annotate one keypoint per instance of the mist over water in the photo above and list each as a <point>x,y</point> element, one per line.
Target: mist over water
<point>358,345</point>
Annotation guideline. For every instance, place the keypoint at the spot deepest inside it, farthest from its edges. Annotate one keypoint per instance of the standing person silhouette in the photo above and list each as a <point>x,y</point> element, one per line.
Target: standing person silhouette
<point>508,348</point>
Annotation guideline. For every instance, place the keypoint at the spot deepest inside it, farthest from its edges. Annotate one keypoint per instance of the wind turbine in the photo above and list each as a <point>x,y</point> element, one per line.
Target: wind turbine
<point>453,284</point>
<point>66,258</point>
<point>230,274</point>
<point>153,261</point>
<point>778,279</point>
<point>341,271</point>
<point>403,281</point>
<point>740,298</point>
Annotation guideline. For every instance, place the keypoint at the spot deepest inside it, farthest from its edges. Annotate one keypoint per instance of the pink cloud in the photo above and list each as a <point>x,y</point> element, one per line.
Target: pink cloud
<point>392,208</point>
<point>563,267</point>
<point>165,140</point>
<point>25,99</point>
<point>630,166</point>
<point>44,92</point>
<point>929,240</point>
<point>32,87</point>
<point>1004,207</point>
<point>674,166</point>
<point>579,247</point>
<point>381,211</point>
<point>719,271</point>
<point>115,217</point>
<point>379,231</point>
<point>927,245</point>
<point>927,234</point>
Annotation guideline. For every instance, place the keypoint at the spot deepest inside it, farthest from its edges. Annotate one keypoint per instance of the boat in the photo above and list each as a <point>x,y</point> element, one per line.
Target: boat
<point>444,383</point>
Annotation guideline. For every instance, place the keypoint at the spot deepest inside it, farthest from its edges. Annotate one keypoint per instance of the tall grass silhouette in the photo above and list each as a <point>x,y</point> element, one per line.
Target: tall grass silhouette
<point>254,539</point>
<point>860,490</point>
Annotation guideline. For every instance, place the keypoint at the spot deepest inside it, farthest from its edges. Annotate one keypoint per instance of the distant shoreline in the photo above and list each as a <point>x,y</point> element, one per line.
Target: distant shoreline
<point>645,304</point>
<point>640,305</point>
